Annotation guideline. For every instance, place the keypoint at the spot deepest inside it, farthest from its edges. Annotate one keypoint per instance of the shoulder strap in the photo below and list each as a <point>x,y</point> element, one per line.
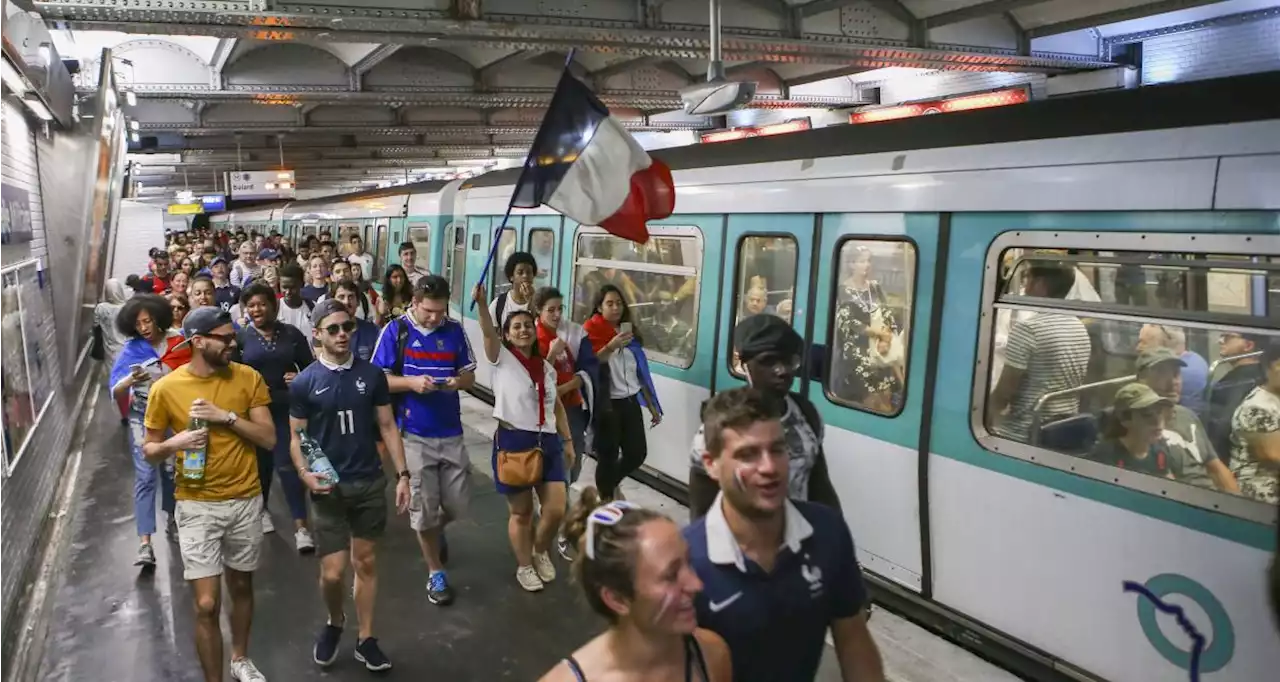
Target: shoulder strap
<point>810,413</point>
<point>311,305</point>
<point>577,669</point>
<point>402,339</point>
<point>502,305</point>
<point>693,658</point>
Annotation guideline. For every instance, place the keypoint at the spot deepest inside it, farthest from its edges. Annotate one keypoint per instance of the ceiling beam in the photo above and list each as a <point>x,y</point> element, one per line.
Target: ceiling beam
<point>467,10</point>
<point>982,9</point>
<point>819,6</point>
<point>485,74</point>
<point>221,55</point>
<point>1115,16</point>
<point>619,68</point>
<point>825,75</point>
<point>374,58</point>
<point>445,129</point>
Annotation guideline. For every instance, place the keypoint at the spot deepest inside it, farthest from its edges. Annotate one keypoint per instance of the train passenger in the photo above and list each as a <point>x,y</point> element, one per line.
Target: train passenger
<point>409,260</point>
<point>156,281</point>
<point>1132,431</point>
<point>622,445</point>
<point>777,573</point>
<point>1161,370</point>
<point>365,338</point>
<point>179,281</point>
<point>871,356</point>
<point>1195,371</point>
<point>246,266</point>
<point>201,292</point>
<point>428,359</point>
<point>1046,353</point>
<point>279,351</point>
<point>317,279</point>
<point>634,568</point>
<point>1240,354</point>
<point>533,446</point>
<point>520,269</point>
<point>179,305</point>
<point>351,516</point>
<point>224,292</point>
<point>542,247</point>
<point>397,293</point>
<point>357,255</point>
<point>340,271</point>
<point>565,345</point>
<point>367,288</point>
<point>151,351</point>
<point>771,353</point>
<point>294,309</point>
<point>220,517</point>
<point>1255,432</point>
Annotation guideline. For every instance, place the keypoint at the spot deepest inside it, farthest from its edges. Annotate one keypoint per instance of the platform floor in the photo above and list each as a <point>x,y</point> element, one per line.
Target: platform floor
<point>110,623</point>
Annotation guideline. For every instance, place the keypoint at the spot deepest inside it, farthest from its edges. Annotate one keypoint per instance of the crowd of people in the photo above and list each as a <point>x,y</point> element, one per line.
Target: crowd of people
<point>229,371</point>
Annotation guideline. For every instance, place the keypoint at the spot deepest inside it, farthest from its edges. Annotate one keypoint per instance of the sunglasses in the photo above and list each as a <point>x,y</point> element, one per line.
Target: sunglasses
<point>605,515</point>
<point>225,338</point>
<point>775,361</point>
<point>348,327</point>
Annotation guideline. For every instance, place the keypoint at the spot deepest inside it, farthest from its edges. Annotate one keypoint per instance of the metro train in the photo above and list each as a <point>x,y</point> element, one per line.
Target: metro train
<point>1165,199</point>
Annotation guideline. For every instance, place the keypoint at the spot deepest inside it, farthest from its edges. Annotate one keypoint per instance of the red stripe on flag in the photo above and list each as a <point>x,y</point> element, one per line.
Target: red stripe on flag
<point>652,197</point>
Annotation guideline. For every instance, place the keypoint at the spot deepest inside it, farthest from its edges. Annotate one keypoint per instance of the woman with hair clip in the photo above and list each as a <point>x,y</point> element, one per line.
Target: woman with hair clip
<point>633,565</point>
<point>622,446</point>
<point>533,446</point>
<point>771,353</point>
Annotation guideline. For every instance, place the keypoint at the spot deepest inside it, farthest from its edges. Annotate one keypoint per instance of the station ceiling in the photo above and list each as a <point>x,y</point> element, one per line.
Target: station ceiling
<point>353,92</point>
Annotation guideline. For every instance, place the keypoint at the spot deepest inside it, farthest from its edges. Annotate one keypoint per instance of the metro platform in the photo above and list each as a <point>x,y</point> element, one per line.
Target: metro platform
<point>106,621</point>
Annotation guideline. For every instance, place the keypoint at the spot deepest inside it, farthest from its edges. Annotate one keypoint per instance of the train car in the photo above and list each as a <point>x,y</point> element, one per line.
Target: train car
<point>1164,201</point>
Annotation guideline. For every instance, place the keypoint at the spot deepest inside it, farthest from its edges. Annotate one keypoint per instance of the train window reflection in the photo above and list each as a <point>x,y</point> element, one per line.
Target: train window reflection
<point>420,235</point>
<point>506,247</point>
<point>455,260</point>
<point>659,280</point>
<point>871,324</point>
<point>542,244</point>
<point>765,281</point>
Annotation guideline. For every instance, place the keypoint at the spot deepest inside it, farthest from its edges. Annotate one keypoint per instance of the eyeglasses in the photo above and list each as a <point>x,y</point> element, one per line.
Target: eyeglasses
<point>225,338</point>
<point>775,361</point>
<point>348,327</point>
<point>605,515</point>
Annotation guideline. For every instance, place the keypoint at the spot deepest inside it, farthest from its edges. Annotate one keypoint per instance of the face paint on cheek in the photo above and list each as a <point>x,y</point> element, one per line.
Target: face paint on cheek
<point>737,479</point>
<point>668,600</point>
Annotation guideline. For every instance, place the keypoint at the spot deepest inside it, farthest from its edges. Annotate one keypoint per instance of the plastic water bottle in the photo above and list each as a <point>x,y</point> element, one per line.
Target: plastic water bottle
<point>317,462</point>
<point>193,459</point>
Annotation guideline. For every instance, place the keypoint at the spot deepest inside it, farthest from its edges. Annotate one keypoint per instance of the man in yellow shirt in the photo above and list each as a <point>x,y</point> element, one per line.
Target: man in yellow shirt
<point>219,509</point>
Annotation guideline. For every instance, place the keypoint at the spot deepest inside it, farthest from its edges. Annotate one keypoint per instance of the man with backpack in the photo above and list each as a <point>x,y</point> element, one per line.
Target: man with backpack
<point>428,359</point>
<point>294,309</point>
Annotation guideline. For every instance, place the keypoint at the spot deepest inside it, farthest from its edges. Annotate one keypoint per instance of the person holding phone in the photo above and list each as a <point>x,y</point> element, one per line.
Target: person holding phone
<point>621,444</point>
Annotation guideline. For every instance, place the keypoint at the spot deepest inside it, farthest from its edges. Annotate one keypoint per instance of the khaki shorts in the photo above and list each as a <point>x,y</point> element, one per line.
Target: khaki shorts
<point>439,480</point>
<point>216,534</point>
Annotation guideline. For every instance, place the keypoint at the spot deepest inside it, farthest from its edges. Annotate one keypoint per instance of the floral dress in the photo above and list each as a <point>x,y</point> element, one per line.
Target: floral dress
<point>1258,414</point>
<point>863,376</point>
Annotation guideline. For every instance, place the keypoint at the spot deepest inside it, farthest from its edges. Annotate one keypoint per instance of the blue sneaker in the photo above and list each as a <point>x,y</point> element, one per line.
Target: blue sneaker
<point>326,649</point>
<point>368,653</point>
<point>438,591</point>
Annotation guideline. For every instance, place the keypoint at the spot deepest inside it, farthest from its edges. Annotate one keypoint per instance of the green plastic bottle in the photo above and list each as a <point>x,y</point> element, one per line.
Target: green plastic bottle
<point>193,459</point>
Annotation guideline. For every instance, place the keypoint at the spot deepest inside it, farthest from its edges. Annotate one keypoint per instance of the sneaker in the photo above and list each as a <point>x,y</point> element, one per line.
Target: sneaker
<point>564,548</point>
<point>368,653</point>
<point>267,526</point>
<point>542,564</point>
<point>243,670</point>
<point>302,540</point>
<point>438,591</point>
<point>325,651</point>
<point>146,556</point>
<point>444,547</point>
<point>528,578</point>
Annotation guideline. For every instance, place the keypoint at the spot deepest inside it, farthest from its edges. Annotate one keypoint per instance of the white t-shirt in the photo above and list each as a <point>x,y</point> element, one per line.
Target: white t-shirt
<point>624,374</point>
<point>299,317</point>
<point>511,307</point>
<point>515,397</point>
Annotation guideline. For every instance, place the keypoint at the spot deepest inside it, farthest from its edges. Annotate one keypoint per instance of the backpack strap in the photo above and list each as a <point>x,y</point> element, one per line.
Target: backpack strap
<point>402,340</point>
<point>575,668</point>
<point>502,305</point>
<point>810,412</point>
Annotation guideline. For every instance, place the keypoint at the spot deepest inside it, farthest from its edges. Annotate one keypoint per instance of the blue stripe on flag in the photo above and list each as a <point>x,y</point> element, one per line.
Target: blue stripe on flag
<point>571,120</point>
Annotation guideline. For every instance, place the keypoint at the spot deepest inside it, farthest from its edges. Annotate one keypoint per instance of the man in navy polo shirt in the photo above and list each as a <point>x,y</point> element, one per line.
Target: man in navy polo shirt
<point>428,360</point>
<point>342,402</point>
<point>776,573</point>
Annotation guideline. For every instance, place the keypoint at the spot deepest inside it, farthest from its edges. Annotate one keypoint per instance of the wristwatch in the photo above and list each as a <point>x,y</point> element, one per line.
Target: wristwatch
<point>403,474</point>
<point>232,418</point>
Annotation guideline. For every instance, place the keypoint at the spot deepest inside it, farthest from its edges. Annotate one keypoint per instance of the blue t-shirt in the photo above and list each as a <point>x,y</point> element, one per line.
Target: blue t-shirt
<point>226,297</point>
<point>311,294</point>
<point>776,623</point>
<point>364,340</point>
<point>288,351</point>
<point>440,353</point>
<point>340,406</point>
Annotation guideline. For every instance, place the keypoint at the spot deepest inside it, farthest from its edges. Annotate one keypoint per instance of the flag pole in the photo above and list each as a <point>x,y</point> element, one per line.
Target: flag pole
<point>497,234</point>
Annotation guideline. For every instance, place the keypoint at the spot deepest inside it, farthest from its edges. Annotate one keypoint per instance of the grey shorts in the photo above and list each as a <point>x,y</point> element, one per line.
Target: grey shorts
<point>216,534</point>
<point>439,480</point>
<point>354,509</point>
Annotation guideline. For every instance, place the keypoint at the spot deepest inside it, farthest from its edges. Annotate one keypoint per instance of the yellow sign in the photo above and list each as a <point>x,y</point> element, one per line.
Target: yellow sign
<point>186,209</point>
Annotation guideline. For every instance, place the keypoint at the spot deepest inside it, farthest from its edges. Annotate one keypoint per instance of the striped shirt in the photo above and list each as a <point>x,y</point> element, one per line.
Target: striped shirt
<point>1053,352</point>
<point>441,353</point>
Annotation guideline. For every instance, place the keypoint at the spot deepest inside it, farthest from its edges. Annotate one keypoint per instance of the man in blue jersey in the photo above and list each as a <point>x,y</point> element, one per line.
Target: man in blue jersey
<point>428,360</point>
<point>343,403</point>
<point>777,573</point>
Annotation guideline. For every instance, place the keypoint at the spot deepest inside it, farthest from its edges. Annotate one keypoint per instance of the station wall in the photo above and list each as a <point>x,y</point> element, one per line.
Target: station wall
<point>1225,49</point>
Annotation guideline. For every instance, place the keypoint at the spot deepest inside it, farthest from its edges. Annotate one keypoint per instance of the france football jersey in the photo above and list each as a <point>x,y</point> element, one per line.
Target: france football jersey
<point>440,353</point>
<point>340,405</point>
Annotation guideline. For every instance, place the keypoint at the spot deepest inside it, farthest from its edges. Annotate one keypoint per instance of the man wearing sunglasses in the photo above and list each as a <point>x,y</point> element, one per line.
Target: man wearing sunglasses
<point>343,402</point>
<point>770,352</point>
<point>219,511</point>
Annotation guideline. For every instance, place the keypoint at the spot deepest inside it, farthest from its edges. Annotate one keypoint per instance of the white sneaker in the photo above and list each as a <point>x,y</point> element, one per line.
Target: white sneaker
<point>302,540</point>
<point>528,578</point>
<point>542,564</point>
<point>243,670</point>
<point>267,526</point>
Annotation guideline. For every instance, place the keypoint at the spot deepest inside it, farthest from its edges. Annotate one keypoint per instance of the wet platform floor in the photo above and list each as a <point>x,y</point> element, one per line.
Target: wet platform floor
<point>109,622</point>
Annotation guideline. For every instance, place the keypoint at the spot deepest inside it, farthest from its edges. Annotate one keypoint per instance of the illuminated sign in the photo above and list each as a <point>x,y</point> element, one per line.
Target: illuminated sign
<point>214,202</point>
<point>276,184</point>
<point>185,209</point>
<point>984,100</point>
<point>795,125</point>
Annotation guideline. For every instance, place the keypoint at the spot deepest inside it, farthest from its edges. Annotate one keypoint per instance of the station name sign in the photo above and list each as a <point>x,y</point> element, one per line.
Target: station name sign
<point>185,209</point>
<point>276,184</point>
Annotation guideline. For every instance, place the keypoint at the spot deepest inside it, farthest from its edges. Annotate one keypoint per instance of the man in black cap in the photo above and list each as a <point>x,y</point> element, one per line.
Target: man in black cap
<point>771,353</point>
<point>219,496</point>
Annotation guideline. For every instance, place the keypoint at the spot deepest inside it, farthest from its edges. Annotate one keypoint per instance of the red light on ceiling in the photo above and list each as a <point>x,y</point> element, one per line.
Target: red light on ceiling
<point>984,100</point>
<point>727,135</point>
<point>887,114</point>
<point>793,126</point>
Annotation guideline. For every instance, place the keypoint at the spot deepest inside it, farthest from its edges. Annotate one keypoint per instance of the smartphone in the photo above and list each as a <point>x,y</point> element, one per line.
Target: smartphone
<point>624,328</point>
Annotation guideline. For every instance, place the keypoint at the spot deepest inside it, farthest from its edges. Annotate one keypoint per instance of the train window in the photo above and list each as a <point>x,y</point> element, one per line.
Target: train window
<point>1156,370</point>
<point>498,283</point>
<point>455,260</point>
<point>420,235</point>
<point>871,324</point>
<point>659,280</point>
<point>765,281</point>
<point>542,244</point>
<point>379,250</point>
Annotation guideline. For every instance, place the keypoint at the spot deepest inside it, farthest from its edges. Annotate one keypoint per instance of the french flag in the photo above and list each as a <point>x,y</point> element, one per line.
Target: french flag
<point>585,165</point>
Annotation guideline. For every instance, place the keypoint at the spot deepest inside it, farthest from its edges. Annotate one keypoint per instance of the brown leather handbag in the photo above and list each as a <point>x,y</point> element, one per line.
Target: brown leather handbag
<point>520,468</point>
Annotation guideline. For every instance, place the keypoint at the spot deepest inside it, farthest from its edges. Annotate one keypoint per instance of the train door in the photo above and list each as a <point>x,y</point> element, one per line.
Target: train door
<point>541,238</point>
<point>508,242</point>
<point>769,257</point>
<point>377,245</point>
<point>872,301</point>
<point>479,241</point>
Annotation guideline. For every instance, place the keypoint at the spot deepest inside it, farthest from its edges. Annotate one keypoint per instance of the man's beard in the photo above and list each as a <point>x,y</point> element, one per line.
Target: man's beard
<point>215,358</point>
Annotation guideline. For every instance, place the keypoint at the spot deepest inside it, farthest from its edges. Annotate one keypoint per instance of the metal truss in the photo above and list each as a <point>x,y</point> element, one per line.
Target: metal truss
<point>433,129</point>
<point>1110,43</point>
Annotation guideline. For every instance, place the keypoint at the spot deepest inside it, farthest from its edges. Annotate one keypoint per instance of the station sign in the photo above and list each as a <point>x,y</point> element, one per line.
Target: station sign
<point>185,209</point>
<point>276,184</point>
<point>214,202</point>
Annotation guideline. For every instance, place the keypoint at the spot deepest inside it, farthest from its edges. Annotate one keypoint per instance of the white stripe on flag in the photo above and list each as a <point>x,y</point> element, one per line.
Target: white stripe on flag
<point>598,182</point>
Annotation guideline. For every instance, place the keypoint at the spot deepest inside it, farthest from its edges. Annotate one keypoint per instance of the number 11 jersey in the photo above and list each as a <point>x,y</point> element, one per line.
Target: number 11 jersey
<point>340,404</point>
